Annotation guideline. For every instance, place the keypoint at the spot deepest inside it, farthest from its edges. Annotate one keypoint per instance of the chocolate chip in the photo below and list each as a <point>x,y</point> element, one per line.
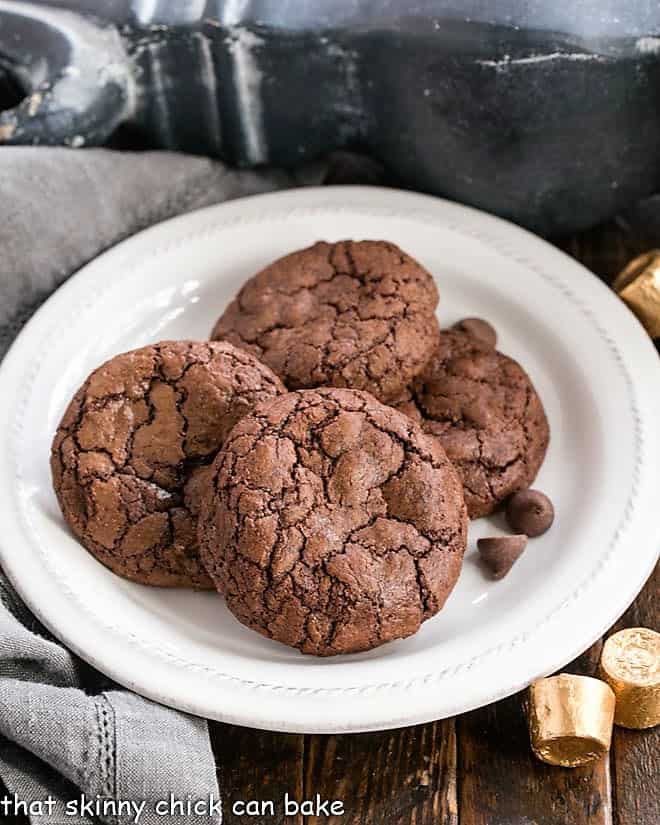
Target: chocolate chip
<point>478,328</point>
<point>530,512</point>
<point>499,553</point>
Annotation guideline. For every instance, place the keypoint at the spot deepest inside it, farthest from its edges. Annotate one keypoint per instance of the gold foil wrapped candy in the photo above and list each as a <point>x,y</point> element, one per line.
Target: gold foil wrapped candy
<point>638,285</point>
<point>630,663</point>
<point>570,719</point>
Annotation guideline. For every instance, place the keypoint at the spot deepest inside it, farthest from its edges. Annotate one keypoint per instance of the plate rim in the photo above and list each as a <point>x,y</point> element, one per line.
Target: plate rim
<point>469,222</point>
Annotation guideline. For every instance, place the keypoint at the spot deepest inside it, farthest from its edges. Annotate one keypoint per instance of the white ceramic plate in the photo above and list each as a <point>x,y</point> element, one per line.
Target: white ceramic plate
<point>592,363</point>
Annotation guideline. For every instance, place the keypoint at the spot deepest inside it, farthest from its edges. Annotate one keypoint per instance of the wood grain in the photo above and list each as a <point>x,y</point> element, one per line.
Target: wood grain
<point>607,248</point>
<point>257,765</point>
<point>388,778</point>
<point>500,781</point>
<point>635,754</point>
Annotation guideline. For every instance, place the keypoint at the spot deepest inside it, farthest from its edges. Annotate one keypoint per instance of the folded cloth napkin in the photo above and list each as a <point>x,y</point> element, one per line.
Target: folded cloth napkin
<point>70,743</point>
<point>61,208</point>
<point>65,731</point>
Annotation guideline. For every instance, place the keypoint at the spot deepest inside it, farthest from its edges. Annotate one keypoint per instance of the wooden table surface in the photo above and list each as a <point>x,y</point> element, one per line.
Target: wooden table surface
<point>475,769</point>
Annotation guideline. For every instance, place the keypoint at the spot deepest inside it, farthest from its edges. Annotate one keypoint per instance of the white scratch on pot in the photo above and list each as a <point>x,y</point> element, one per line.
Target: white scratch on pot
<point>242,46</point>
<point>233,12</point>
<point>208,77</point>
<point>570,57</point>
<point>155,14</point>
<point>648,45</point>
<point>34,102</point>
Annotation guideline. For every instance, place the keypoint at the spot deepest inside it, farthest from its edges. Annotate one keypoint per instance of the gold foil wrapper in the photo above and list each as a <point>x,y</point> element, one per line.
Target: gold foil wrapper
<point>570,719</point>
<point>638,285</point>
<point>630,663</point>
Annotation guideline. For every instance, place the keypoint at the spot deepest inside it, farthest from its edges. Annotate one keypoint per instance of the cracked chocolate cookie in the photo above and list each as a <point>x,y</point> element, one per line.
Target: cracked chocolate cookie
<point>332,523</point>
<point>347,314</point>
<point>485,412</point>
<point>132,450</point>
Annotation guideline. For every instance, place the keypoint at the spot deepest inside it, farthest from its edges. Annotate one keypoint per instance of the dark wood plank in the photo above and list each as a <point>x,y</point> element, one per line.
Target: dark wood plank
<point>260,766</point>
<point>500,782</point>
<point>388,778</point>
<point>607,248</point>
<point>636,754</point>
<point>645,610</point>
<point>587,664</point>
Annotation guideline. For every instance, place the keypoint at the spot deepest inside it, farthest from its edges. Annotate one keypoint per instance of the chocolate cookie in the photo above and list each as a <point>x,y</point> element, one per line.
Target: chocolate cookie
<point>332,523</point>
<point>348,314</point>
<point>131,452</point>
<point>484,409</point>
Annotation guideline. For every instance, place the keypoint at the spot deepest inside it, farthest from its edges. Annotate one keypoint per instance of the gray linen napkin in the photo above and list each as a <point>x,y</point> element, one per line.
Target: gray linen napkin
<point>64,729</point>
<point>63,736</point>
<point>60,208</point>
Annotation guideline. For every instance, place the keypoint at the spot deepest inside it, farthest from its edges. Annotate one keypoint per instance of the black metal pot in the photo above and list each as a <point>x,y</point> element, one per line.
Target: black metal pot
<point>546,113</point>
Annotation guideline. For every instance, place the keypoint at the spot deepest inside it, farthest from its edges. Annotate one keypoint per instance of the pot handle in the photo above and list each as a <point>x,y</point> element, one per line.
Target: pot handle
<point>74,72</point>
